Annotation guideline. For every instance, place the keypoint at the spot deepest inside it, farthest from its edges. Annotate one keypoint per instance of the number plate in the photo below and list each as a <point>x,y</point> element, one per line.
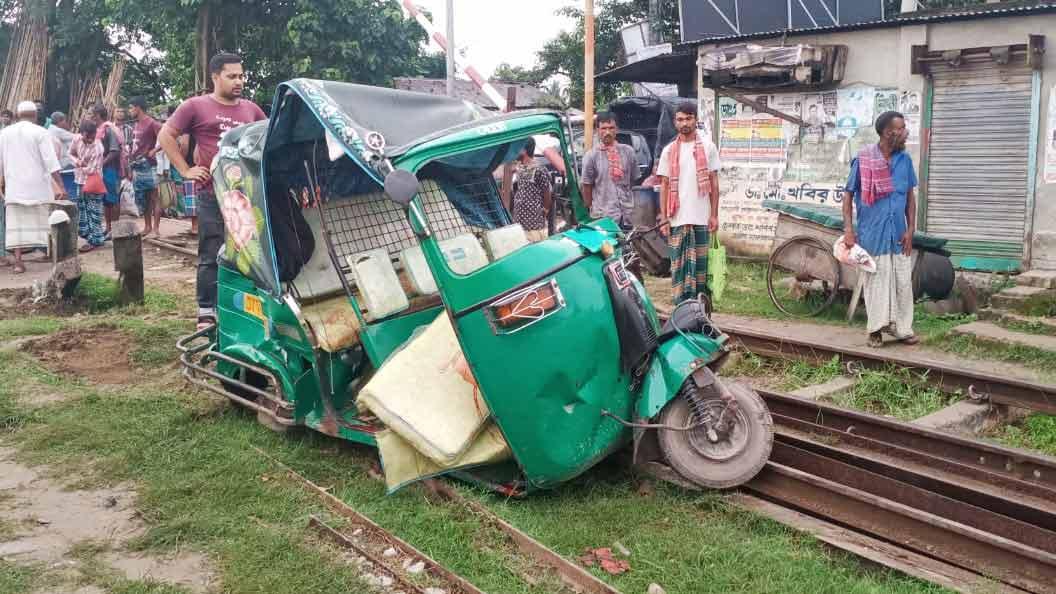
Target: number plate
<point>252,305</point>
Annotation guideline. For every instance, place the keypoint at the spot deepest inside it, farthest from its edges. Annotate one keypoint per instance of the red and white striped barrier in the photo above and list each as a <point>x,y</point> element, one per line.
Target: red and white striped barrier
<point>441,40</point>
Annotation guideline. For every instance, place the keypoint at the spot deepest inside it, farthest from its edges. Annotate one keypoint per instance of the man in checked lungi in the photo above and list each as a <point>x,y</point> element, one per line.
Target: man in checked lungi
<point>880,188</point>
<point>689,202</point>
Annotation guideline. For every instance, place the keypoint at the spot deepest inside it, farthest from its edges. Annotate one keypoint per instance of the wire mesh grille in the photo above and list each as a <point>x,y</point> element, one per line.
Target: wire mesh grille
<point>366,222</point>
<point>479,201</point>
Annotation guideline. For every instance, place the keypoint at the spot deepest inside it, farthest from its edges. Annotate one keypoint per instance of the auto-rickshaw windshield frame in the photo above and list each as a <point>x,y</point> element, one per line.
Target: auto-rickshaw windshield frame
<point>493,133</point>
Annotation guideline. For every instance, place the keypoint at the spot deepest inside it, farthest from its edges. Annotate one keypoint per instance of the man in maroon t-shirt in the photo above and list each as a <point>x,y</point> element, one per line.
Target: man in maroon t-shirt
<point>206,118</point>
<point>143,165</point>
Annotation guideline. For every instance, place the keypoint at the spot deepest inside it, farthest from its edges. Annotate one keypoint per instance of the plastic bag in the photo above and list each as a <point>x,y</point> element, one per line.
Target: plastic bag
<point>716,268</point>
<point>128,199</point>
<point>855,256</point>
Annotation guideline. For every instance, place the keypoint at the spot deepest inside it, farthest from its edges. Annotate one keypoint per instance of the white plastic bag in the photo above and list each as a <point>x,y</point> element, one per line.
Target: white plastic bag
<point>128,199</point>
<point>855,256</point>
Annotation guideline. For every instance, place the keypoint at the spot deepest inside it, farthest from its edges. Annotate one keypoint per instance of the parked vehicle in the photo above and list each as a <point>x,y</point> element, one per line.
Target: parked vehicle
<point>373,288</point>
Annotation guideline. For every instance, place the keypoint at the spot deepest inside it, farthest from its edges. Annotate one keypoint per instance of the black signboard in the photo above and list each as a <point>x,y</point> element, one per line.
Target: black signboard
<point>706,19</point>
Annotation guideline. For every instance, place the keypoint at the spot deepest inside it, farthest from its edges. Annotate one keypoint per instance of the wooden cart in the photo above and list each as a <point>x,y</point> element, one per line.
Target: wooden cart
<point>804,278</point>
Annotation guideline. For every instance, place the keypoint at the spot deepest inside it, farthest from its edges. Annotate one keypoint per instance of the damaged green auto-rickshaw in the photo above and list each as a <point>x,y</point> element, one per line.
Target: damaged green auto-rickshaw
<point>373,287</point>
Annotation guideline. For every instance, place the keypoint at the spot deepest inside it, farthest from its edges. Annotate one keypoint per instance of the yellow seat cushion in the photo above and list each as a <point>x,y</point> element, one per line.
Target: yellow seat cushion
<point>334,323</point>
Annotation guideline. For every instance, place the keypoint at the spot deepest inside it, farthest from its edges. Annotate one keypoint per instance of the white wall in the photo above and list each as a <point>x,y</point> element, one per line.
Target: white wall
<point>881,58</point>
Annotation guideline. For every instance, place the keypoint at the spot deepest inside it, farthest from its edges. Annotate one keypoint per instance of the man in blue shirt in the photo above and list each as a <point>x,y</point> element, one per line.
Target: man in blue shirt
<point>881,188</point>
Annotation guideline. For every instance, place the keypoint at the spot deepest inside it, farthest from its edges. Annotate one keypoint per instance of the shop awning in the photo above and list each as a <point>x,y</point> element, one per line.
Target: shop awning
<point>676,68</point>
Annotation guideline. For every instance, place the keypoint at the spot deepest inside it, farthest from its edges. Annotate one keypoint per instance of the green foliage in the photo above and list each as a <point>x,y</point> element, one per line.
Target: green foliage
<point>364,41</point>
<point>518,74</point>
<point>563,54</point>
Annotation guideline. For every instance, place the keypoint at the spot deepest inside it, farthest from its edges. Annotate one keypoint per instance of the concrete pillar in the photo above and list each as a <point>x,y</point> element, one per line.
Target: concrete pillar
<point>66,266</point>
<point>128,261</point>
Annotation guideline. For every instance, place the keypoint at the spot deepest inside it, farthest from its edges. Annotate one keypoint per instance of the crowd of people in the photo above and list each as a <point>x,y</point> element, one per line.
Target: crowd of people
<point>132,153</point>
<point>112,160</point>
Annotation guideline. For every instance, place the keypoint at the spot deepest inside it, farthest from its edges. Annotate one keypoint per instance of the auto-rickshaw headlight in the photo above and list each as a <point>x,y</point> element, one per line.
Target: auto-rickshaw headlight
<point>525,307</point>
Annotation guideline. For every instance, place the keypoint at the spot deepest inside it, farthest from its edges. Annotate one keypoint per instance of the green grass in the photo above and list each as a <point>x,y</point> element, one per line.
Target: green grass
<point>1029,327</point>
<point>976,348</point>
<point>894,392</point>
<point>1036,432</point>
<point>100,293</point>
<point>781,374</point>
<point>16,579</point>
<point>201,486</point>
<point>20,327</point>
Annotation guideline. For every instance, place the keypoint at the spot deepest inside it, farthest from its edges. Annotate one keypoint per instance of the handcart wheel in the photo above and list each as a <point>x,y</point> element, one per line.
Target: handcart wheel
<point>734,445</point>
<point>803,278</point>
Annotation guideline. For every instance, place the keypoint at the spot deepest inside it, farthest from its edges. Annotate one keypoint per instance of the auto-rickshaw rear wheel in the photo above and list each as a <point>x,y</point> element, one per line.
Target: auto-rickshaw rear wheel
<point>730,449</point>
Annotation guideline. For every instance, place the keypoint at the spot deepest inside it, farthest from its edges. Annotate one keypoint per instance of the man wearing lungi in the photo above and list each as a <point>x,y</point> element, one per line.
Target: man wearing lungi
<point>880,188</point>
<point>29,174</point>
<point>689,202</point>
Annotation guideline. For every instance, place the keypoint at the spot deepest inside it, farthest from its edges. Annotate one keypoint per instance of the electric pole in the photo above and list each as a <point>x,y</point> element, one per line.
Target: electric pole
<point>450,48</point>
<point>588,76</point>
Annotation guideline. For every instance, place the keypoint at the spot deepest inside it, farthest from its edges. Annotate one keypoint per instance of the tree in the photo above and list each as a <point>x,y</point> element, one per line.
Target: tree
<point>517,74</point>
<point>365,41</point>
<point>564,53</point>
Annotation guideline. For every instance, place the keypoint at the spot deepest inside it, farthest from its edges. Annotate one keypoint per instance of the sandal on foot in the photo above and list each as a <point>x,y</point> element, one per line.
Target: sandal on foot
<point>84,249</point>
<point>205,322</point>
<point>876,340</point>
<point>912,339</point>
<point>18,268</point>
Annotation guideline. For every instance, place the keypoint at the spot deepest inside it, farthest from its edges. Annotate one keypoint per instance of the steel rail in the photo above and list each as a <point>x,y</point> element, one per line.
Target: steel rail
<point>344,541</point>
<point>571,574</point>
<point>1032,475</point>
<point>845,500</point>
<point>950,378</point>
<point>456,584</point>
<point>978,506</point>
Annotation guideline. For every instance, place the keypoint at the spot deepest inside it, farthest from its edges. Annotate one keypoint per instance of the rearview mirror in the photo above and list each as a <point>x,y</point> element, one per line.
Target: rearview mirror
<point>401,186</point>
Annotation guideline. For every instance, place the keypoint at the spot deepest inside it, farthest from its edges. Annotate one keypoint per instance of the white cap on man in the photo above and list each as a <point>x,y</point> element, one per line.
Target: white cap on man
<point>26,107</point>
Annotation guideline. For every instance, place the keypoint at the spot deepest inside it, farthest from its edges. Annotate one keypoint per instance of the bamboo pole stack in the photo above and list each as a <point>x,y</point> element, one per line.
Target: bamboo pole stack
<point>113,84</point>
<point>88,91</point>
<point>27,62</point>
<point>84,93</point>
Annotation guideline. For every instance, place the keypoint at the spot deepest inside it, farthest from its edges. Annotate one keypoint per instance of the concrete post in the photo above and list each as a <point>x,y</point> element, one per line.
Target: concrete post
<point>66,266</point>
<point>128,261</point>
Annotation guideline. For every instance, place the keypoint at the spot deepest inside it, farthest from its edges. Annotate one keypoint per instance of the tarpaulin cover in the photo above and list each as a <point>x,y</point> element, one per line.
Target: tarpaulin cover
<point>832,217</point>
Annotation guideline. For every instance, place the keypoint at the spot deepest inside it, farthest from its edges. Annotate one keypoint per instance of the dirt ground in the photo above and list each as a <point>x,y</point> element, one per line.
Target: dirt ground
<point>52,525</point>
<point>99,354</point>
<point>162,269</point>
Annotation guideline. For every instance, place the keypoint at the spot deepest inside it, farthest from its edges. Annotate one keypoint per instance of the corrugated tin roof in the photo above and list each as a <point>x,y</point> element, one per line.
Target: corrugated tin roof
<point>994,10</point>
<point>527,95</point>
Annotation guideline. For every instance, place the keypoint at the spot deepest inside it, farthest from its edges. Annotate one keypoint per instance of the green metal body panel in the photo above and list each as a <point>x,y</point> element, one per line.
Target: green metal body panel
<point>382,338</point>
<point>673,362</point>
<point>546,384</point>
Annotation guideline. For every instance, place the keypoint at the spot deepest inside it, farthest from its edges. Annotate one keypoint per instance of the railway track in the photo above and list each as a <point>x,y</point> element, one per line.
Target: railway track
<point>1019,393</point>
<point>979,507</point>
<point>387,557</point>
<point>966,514</point>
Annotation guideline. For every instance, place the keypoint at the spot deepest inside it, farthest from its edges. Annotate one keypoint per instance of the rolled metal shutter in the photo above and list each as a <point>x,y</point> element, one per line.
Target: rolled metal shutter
<point>977,170</point>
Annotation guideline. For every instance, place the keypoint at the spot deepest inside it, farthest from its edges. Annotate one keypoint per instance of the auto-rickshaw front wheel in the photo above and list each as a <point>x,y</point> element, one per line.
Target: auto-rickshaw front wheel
<point>727,445</point>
